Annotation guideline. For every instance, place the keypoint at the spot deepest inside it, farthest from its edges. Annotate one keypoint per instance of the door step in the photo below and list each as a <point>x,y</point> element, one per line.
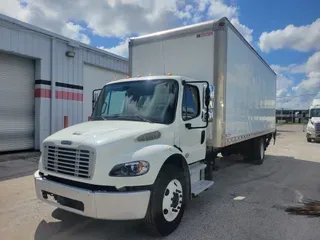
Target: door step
<point>200,186</point>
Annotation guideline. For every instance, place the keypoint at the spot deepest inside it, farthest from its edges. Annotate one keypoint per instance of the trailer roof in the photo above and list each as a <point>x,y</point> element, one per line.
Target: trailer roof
<point>194,28</point>
<point>180,31</point>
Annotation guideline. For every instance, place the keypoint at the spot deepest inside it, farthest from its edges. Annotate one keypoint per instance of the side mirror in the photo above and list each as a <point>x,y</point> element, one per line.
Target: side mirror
<point>207,97</point>
<point>207,117</point>
<point>95,96</point>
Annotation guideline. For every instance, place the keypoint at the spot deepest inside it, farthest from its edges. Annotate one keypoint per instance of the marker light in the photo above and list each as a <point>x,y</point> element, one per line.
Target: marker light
<point>148,136</point>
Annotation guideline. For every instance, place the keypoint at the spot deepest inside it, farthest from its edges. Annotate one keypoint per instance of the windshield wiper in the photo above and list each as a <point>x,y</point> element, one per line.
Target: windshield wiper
<point>131,116</point>
<point>101,117</point>
<point>142,118</point>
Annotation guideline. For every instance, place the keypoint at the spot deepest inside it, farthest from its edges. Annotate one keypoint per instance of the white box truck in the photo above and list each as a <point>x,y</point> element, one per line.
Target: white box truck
<point>152,141</point>
<point>313,127</point>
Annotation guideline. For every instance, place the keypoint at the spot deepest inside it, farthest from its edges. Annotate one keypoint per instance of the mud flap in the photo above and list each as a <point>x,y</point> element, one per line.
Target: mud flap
<point>274,137</point>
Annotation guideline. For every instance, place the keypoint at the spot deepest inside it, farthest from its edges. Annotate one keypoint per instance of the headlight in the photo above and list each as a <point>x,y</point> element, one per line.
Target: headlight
<point>130,169</point>
<point>311,122</point>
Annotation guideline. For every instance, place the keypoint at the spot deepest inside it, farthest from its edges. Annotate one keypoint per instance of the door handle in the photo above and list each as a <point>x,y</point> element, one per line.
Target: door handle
<point>203,136</point>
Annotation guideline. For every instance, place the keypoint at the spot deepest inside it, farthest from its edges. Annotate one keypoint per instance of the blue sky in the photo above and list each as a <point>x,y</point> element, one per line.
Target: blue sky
<point>285,32</point>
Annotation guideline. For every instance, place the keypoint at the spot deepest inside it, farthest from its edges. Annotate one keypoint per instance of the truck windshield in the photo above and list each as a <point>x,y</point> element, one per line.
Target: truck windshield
<point>144,100</point>
<point>315,112</point>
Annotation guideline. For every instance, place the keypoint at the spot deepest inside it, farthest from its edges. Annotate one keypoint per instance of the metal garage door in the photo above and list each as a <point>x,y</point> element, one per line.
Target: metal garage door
<point>94,78</point>
<point>16,103</point>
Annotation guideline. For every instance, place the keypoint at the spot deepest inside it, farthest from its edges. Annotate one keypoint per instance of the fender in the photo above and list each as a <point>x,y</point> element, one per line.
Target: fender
<point>161,155</point>
<point>157,156</point>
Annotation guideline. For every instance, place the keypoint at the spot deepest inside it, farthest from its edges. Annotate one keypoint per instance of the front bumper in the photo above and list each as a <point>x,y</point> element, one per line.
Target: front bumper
<point>99,205</point>
<point>313,135</point>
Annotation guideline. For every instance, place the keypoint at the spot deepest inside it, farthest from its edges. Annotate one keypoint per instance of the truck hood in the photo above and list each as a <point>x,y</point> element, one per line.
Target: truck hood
<point>101,132</point>
<point>315,119</point>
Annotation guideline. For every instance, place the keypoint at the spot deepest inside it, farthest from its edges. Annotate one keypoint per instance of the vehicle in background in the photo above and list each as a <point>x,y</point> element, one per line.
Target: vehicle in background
<point>153,138</point>
<point>313,127</point>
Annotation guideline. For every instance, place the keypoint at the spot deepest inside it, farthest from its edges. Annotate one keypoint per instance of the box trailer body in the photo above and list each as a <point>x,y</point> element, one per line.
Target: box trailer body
<point>153,138</point>
<point>244,84</point>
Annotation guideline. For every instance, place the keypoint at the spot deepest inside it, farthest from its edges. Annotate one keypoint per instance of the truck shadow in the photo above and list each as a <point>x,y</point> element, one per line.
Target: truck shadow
<point>279,173</point>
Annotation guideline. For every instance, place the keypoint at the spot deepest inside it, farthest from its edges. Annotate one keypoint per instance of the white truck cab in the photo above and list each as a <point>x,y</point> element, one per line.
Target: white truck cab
<point>138,127</point>
<point>313,127</point>
<point>152,141</point>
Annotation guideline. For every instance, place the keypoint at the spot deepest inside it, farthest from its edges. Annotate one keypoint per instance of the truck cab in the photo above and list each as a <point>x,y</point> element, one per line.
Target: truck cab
<point>313,127</point>
<point>145,133</point>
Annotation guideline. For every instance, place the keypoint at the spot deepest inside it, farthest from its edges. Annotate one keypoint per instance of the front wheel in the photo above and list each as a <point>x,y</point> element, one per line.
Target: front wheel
<point>308,139</point>
<point>167,201</point>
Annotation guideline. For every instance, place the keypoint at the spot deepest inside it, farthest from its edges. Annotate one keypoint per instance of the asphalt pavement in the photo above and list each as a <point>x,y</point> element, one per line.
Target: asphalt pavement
<point>290,174</point>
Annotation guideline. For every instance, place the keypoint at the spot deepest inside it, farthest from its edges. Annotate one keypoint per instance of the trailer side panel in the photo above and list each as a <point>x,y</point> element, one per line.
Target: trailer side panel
<point>250,92</point>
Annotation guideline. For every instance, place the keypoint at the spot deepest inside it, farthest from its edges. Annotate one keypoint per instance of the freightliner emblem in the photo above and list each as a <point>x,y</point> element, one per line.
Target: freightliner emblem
<point>65,142</point>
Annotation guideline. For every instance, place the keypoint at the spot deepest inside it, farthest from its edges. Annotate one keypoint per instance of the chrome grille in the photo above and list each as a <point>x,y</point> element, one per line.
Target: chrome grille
<point>317,126</point>
<point>77,162</point>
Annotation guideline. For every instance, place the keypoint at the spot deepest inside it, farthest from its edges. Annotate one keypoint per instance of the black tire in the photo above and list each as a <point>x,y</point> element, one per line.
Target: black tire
<point>154,219</point>
<point>258,152</point>
<point>308,139</point>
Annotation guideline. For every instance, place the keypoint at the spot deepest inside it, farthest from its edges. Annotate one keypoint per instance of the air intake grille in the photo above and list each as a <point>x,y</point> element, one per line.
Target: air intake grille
<point>77,162</point>
<point>317,126</point>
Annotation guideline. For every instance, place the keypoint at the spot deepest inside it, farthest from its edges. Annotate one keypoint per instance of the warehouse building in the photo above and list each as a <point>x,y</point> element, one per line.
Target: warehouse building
<point>45,77</point>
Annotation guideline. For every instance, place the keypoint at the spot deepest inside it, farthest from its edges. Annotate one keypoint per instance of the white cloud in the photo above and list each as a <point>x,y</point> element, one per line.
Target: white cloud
<point>218,10</point>
<point>14,9</point>
<point>202,5</point>
<point>293,102</point>
<point>119,18</point>
<point>313,63</point>
<point>283,83</point>
<point>73,31</point>
<point>292,68</point>
<point>310,85</point>
<point>306,89</point>
<point>301,38</point>
<point>244,30</point>
<point>121,49</point>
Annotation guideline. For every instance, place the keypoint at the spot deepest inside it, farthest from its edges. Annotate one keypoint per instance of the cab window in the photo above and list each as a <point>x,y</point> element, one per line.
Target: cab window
<point>190,103</point>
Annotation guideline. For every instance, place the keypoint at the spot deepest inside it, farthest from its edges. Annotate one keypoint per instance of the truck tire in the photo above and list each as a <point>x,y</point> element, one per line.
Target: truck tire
<point>254,152</point>
<point>258,151</point>
<point>308,139</point>
<point>167,201</point>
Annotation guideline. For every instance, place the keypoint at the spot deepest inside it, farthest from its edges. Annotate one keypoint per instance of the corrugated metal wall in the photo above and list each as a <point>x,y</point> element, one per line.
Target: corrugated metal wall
<point>65,82</point>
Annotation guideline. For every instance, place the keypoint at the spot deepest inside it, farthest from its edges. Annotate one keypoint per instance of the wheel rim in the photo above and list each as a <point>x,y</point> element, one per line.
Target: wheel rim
<point>261,150</point>
<point>172,200</point>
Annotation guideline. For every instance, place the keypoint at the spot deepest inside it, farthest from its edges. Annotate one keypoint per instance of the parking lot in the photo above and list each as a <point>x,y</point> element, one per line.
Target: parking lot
<point>290,173</point>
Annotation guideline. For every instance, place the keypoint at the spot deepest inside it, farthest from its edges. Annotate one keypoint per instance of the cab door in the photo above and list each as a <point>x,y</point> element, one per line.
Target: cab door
<point>192,138</point>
